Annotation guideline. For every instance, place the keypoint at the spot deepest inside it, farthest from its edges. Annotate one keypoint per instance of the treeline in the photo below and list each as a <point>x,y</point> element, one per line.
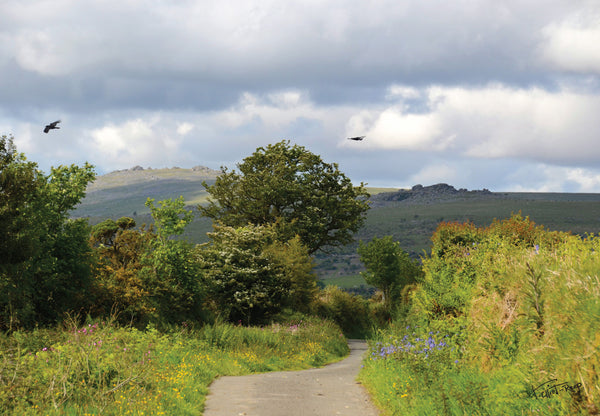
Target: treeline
<point>282,206</point>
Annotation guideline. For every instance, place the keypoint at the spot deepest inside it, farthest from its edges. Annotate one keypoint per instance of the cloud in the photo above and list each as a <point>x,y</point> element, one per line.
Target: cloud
<point>487,94</point>
<point>144,141</point>
<point>572,43</point>
<point>541,177</point>
<point>184,128</point>
<point>436,173</point>
<point>493,121</point>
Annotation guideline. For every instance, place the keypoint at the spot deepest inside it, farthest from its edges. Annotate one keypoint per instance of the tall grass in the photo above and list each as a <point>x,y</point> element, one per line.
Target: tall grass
<point>101,368</point>
<point>513,313</point>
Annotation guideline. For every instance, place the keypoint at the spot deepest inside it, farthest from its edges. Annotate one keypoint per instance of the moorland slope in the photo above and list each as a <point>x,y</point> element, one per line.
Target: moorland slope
<point>410,216</point>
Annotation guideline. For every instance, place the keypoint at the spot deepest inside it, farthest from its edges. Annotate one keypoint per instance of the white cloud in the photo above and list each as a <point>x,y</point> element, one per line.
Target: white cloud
<point>587,180</point>
<point>543,177</point>
<point>572,44</point>
<point>137,141</point>
<point>493,121</point>
<point>436,173</point>
<point>184,128</point>
<point>402,92</point>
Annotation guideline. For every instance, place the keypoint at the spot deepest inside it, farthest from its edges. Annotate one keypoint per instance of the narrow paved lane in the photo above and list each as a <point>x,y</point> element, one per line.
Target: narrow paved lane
<point>331,390</point>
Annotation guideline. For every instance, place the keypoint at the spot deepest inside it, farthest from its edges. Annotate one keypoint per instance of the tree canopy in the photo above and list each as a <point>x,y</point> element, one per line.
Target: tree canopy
<point>247,281</point>
<point>295,190</point>
<point>45,261</point>
<point>389,268</point>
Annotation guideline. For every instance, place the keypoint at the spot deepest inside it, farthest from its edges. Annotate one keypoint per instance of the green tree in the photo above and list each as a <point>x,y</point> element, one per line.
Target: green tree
<point>171,274</point>
<point>389,268</point>
<point>45,260</point>
<point>171,218</point>
<point>245,283</point>
<point>19,184</point>
<point>294,189</point>
<point>298,267</point>
<point>120,249</point>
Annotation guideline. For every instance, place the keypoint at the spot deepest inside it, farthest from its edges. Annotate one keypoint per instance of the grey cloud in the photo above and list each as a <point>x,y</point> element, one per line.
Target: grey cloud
<point>109,69</point>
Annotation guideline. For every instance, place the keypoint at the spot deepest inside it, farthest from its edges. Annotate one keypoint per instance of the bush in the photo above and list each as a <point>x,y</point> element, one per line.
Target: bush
<point>524,304</point>
<point>351,312</point>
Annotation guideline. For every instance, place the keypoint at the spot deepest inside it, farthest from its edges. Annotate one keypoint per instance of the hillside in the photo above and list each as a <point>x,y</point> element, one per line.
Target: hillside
<point>409,215</point>
<point>124,192</point>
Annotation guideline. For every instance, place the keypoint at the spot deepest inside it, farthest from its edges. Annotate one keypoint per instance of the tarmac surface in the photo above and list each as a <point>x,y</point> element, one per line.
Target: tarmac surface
<point>330,390</point>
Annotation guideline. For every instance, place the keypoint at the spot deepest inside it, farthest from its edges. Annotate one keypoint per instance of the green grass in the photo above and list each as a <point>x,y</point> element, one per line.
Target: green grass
<point>346,282</point>
<point>99,368</point>
<point>489,323</point>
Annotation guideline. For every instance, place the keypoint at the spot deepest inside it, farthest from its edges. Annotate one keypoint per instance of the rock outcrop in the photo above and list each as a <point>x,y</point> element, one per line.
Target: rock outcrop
<point>429,194</point>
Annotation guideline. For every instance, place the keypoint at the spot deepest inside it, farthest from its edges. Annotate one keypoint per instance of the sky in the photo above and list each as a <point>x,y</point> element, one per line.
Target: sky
<point>496,94</point>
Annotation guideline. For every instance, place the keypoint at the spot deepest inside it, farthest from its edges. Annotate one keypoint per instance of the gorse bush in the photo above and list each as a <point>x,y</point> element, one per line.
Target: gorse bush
<point>521,306</point>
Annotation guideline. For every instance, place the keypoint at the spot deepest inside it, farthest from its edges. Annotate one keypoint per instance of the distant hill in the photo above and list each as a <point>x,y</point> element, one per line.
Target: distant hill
<point>124,192</point>
<point>410,216</point>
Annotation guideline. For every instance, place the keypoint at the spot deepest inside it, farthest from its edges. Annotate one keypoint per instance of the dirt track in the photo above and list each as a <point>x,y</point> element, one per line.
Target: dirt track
<point>331,390</point>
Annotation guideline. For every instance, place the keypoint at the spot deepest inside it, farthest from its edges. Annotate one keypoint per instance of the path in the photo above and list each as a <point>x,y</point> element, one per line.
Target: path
<point>331,390</point>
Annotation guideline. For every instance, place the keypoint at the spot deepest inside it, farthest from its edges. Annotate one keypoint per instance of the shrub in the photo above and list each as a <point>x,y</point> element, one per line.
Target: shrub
<point>351,312</point>
<point>527,302</point>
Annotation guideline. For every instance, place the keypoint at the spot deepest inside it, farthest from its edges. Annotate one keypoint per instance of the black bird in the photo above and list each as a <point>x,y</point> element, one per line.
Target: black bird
<point>356,138</point>
<point>51,126</point>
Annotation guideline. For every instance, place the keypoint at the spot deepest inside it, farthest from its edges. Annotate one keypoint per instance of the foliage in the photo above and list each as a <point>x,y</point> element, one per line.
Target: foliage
<point>244,282</point>
<point>388,267</point>
<point>170,273</point>
<point>354,314</point>
<point>524,304</point>
<point>171,218</point>
<point>451,236</point>
<point>292,256</point>
<point>100,368</point>
<point>120,249</point>
<point>292,188</point>
<point>45,262</point>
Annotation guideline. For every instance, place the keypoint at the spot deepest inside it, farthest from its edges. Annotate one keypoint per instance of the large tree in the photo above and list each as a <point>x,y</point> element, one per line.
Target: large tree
<point>45,260</point>
<point>294,189</point>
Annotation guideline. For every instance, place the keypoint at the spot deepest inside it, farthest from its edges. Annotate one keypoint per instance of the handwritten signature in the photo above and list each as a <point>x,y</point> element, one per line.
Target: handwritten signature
<point>549,388</point>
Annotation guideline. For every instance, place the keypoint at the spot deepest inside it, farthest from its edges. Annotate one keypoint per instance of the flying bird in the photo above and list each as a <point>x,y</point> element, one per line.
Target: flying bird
<point>51,126</point>
<point>356,138</point>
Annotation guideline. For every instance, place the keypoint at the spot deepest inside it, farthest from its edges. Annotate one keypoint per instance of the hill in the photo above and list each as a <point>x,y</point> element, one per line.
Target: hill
<point>124,192</point>
<point>410,216</point>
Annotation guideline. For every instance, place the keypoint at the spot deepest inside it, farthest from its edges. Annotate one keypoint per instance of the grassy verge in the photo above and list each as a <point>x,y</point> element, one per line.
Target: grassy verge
<point>103,369</point>
<point>505,324</point>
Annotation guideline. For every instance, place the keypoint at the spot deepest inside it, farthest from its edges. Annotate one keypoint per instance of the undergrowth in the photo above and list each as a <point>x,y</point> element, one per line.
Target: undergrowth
<point>506,320</point>
<point>101,368</point>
